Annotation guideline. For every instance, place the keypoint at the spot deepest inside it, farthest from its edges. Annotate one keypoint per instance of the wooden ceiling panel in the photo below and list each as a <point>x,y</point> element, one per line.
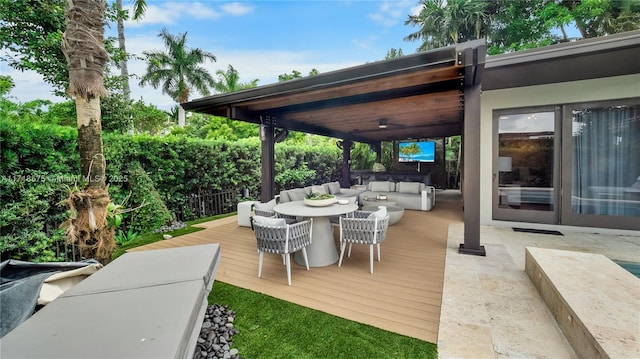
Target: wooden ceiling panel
<point>415,94</point>
<point>359,88</point>
<point>403,114</point>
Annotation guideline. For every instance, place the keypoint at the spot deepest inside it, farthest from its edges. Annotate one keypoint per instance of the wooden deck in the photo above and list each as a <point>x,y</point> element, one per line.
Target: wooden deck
<point>403,295</point>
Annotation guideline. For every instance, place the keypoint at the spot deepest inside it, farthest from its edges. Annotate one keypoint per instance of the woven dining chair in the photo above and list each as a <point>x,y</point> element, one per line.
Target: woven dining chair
<point>274,235</point>
<point>264,209</point>
<point>363,227</point>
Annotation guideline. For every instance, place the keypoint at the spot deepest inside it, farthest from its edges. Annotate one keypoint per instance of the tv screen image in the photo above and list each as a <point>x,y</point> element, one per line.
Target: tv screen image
<point>417,151</point>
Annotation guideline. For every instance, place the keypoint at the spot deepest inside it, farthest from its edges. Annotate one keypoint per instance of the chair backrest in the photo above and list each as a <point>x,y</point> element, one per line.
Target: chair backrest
<point>265,209</point>
<point>363,230</point>
<point>282,238</point>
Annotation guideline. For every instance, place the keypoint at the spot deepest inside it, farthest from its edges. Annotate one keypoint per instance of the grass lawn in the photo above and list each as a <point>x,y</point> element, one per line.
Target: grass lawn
<point>272,328</point>
<point>155,237</point>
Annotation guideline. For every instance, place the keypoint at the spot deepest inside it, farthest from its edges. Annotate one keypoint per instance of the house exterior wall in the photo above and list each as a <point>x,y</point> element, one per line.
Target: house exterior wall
<point>611,88</point>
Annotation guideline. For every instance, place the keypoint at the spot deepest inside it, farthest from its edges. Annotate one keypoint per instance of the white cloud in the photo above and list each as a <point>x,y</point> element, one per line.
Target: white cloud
<point>196,10</point>
<point>415,11</point>
<point>365,43</point>
<point>391,13</point>
<point>236,8</point>
<point>264,65</point>
<point>153,15</point>
<point>267,65</point>
<point>29,86</point>
<point>170,13</point>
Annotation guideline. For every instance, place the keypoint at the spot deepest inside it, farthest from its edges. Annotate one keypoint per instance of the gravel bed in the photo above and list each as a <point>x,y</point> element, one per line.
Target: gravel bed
<point>215,340</point>
<point>172,227</point>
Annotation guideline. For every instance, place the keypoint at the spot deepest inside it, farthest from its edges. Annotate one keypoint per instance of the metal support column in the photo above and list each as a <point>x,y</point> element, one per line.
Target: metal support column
<point>267,160</point>
<point>345,180</point>
<point>471,172</point>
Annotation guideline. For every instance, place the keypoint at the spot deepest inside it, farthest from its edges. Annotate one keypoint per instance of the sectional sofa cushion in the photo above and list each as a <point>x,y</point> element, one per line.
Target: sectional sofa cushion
<point>318,189</point>
<point>381,186</point>
<point>297,194</point>
<point>333,187</point>
<point>408,187</point>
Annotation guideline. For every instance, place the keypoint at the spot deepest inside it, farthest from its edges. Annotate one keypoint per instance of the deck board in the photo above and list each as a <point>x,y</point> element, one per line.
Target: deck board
<point>403,295</point>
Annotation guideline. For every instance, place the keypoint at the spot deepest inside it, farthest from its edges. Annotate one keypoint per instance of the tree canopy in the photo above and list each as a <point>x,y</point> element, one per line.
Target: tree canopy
<point>229,81</point>
<point>177,71</point>
<point>515,25</point>
<point>31,32</point>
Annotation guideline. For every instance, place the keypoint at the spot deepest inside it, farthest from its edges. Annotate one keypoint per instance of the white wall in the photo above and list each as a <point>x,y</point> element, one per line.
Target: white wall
<point>557,94</point>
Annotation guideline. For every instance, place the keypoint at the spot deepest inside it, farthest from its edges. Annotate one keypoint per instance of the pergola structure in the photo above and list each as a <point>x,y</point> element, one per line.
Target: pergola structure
<point>428,94</point>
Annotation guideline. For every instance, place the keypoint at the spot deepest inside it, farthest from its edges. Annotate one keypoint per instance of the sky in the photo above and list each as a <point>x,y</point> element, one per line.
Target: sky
<point>260,39</point>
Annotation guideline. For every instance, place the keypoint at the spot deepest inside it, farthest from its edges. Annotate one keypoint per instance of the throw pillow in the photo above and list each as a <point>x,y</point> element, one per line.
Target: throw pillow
<point>267,221</point>
<point>409,187</point>
<point>297,194</point>
<point>334,187</point>
<point>379,186</point>
<point>318,189</point>
<point>265,207</point>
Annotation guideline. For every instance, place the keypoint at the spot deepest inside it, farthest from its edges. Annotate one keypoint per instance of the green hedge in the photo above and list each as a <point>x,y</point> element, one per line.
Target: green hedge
<point>38,163</point>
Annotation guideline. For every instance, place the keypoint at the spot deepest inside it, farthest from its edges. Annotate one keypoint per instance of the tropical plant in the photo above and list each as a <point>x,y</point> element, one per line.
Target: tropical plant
<point>125,237</point>
<point>447,22</point>
<point>82,44</point>
<point>593,17</point>
<point>362,157</point>
<point>517,25</point>
<point>178,70</point>
<point>229,81</point>
<point>394,53</point>
<point>295,74</point>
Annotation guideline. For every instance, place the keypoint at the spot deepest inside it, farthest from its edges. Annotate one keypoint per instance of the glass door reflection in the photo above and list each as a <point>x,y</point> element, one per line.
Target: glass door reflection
<point>526,161</point>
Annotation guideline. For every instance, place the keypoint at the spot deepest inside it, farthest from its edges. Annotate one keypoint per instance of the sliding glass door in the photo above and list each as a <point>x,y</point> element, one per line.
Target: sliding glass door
<point>526,165</point>
<point>602,165</point>
<point>575,164</point>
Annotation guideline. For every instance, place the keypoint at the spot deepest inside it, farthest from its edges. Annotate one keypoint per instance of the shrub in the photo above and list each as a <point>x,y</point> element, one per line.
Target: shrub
<point>39,162</point>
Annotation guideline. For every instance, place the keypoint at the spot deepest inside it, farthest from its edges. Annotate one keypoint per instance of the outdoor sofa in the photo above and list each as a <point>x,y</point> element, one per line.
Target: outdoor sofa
<point>408,195</point>
<point>299,194</point>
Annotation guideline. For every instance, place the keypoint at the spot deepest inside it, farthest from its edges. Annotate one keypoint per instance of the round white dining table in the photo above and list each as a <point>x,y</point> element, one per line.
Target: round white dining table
<point>322,250</point>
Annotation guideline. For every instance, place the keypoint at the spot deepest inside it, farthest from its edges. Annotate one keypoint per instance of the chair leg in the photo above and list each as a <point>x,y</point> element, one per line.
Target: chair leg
<point>306,260</point>
<point>283,260</point>
<point>288,257</point>
<point>342,247</point>
<point>378,252</point>
<point>260,263</point>
<point>349,254</point>
<point>371,258</point>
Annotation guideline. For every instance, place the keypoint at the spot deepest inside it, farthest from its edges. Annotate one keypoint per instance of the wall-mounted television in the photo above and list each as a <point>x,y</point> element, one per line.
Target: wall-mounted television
<point>417,151</point>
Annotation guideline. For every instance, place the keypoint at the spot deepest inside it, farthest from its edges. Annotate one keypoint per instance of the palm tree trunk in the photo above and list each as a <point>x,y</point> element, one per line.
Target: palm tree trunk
<point>181,116</point>
<point>83,47</point>
<point>124,71</point>
<point>92,162</point>
<point>564,33</point>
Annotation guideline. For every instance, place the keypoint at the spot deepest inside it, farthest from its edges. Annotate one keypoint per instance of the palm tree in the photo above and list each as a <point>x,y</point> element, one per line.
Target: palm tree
<point>178,70</point>
<point>139,7</point>
<point>82,44</point>
<point>448,22</point>
<point>229,81</point>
